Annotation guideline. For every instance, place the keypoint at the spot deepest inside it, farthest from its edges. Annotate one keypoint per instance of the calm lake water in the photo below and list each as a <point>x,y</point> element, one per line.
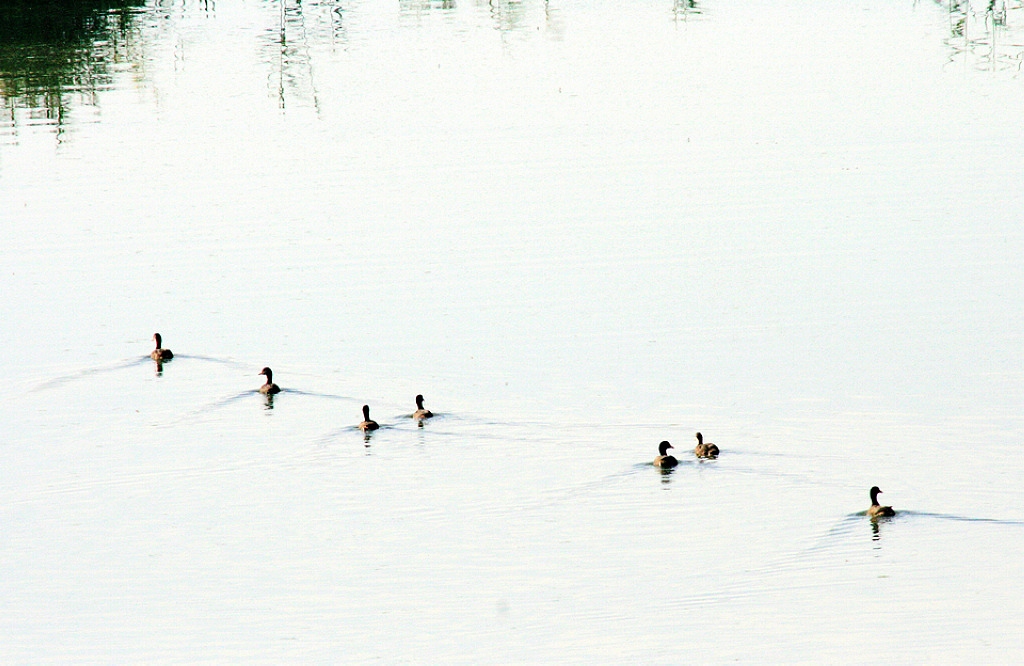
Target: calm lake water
<point>578,228</point>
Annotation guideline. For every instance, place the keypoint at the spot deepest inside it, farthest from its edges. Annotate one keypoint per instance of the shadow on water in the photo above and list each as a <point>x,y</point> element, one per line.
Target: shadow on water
<point>904,515</point>
<point>58,54</point>
<point>79,375</point>
<point>558,496</point>
<point>833,548</point>
<point>164,366</point>
<point>268,401</point>
<point>221,403</point>
<point>851,524</point>
<point>89,372</point>
<point>341,432</point>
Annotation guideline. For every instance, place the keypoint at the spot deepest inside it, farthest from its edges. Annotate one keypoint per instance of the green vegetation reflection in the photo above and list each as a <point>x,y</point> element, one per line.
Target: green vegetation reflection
<point>55,53</point>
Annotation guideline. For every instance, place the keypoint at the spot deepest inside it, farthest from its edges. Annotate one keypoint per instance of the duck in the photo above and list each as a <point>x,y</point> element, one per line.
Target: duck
<point>664,460</point>
<point>876,511</point>
<point>421,413</point>
<point>270,388</point>
<point>367,425</point>
<point>703,450</point>
<point>159,354</point>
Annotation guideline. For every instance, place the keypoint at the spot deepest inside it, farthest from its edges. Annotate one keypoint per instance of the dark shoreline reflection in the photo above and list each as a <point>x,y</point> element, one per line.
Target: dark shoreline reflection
<point>507,15</point>
<point>682,10</point>
<point>57,54</point>
<point>418,7</point>
<point>986,35</point>
<point>288,47</point>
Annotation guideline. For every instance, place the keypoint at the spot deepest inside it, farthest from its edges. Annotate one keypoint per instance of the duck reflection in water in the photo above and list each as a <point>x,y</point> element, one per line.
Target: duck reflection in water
<point>875,536</point>
<point>269,401</point>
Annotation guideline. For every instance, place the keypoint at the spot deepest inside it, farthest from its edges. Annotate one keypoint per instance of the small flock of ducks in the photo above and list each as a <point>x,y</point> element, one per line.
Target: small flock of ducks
<point>709,450</point>
<point>664,460</point>
<point>702,450</point>
<point>270,388</point>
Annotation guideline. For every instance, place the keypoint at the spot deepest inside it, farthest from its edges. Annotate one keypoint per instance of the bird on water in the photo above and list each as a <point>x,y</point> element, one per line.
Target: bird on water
<point>875,510</point>
<point>421,413</point>
<point>664,460</point>
<point>703,450</point>
<point>270,388</point>
<point>159,354</point>
<point>367,425</point>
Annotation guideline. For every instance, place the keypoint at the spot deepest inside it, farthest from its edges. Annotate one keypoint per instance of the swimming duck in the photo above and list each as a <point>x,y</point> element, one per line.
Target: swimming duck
<point>367,425</point>
<point>703,450</point>
<point>160,354</point>
<point>270,388</point>
<point>664,460</point>
<point>421,413</point>
<point>876,511</point>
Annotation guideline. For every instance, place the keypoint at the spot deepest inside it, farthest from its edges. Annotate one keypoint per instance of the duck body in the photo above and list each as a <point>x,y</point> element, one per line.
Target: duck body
<point>664,460</point>
<point>703,450</point>
<point>876,510</point>
<point>160,354</point>
<point>420,412</point>
<point>367,425</point>
<point>270,388</point>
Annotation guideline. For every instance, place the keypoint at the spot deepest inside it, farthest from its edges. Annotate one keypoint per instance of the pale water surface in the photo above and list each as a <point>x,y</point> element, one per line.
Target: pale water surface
<point>578,228</point>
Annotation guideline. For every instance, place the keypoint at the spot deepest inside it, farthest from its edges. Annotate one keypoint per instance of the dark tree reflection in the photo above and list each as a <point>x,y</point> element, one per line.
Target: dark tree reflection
<point>54,53</point>
<point>300,28</point>
<point>986,34</point>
